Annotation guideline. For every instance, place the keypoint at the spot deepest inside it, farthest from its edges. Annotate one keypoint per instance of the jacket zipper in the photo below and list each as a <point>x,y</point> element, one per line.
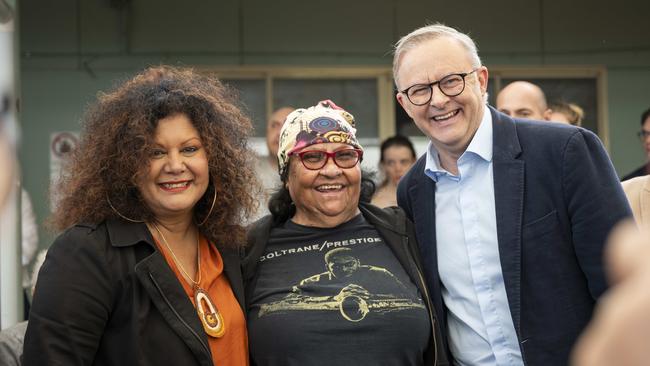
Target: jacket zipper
<point>205,347</point>
<point>431,309</point>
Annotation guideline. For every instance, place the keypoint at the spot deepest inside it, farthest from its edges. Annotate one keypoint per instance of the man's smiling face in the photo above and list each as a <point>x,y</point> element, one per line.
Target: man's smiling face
<point>450,122</point>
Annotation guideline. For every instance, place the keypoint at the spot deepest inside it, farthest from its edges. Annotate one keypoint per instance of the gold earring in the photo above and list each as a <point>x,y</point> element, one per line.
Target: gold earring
<point>118,213</point>
<point>214,200</point>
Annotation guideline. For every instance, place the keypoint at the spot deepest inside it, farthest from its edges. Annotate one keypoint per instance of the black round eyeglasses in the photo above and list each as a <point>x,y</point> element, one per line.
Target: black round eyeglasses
<point>450,85</point>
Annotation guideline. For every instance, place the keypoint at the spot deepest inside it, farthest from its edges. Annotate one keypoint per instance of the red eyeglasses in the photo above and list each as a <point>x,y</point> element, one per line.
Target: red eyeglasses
<point>316,159</point>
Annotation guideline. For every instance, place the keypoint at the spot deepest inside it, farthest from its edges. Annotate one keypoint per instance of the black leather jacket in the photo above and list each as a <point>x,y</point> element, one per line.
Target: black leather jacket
<point>106,296</point>
<point>398,233</point>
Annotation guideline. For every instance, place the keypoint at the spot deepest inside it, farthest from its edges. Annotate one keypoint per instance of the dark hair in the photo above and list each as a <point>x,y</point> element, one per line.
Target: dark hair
<point>282,208</point>
<point>116,141</point>
<point>397,140</point>
<point>338,253</point>
<point>645,116</point>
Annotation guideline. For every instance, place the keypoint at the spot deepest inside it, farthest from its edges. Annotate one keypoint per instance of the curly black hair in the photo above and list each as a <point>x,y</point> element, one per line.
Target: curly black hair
<point>117,137</point>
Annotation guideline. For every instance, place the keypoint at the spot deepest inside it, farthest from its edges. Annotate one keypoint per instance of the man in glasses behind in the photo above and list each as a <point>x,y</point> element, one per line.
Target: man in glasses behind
<point>511,215</point>
<point>371,305</point>
<point>644,136</point>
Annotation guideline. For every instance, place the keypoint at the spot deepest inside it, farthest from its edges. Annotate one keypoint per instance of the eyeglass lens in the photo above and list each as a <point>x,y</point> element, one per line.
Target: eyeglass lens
<point>317,159</point>
<point>644,134</point>
<point>451,86</point>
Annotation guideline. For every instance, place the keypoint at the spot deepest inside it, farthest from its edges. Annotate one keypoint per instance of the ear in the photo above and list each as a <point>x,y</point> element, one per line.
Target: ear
<point>404,102</point>
<point>483,76</point>
<point>400,99</point>
<point>547,114</point>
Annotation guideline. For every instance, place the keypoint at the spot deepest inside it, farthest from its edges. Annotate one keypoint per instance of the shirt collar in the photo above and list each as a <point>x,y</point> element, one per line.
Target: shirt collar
<point>481,145</point>
<point>432,167</point>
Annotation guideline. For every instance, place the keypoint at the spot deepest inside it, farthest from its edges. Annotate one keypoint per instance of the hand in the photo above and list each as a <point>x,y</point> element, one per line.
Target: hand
<point>352,290</point>
<point>619,331</point>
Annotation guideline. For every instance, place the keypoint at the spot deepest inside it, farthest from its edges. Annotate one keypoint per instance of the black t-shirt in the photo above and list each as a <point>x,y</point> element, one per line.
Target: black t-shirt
<point>334,296</point>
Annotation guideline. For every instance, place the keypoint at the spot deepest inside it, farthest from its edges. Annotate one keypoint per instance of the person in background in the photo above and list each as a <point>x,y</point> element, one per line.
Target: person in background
<point>147,270</point>
<point>267,166</point>
<point>511,215</point>
<point>12,338</point>
<point>397,157</point>
<point>619,331</point>
<point>522,99</point>
<point>644,136</point>
<point>29,244</point>
<point>637,191</point>
<point>564,112</point>
<point>371,306</point>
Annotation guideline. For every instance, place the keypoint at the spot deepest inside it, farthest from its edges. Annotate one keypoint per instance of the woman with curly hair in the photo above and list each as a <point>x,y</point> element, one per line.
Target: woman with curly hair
<point>147,269</point>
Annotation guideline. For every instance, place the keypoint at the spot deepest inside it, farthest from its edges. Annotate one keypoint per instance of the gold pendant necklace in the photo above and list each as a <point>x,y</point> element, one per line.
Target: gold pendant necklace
<point>209,315</point>
<point>211,319</point>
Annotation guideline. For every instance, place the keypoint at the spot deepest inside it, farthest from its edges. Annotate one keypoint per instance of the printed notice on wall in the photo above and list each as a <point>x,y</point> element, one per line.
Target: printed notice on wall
<point>62,144</point>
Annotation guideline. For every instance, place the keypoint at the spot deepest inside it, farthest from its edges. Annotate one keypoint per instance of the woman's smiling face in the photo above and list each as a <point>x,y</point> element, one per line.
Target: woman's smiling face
<point>178,171</point>
<point>327,195</point>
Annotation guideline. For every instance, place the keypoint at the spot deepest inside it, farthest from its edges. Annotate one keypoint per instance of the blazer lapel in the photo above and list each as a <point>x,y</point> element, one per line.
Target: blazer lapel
<point>509,200</point>
<point>422,191</point>
<point>170,299</point>
<point>162,286</point>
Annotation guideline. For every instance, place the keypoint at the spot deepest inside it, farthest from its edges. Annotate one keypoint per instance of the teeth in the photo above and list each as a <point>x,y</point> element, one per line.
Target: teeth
<point>327,187</point>
<point>445,116</point>
<point>175,185</point>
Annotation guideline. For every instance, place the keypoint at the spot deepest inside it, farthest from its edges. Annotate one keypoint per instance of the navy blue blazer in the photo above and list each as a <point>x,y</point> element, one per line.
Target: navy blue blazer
<point>557,196</point>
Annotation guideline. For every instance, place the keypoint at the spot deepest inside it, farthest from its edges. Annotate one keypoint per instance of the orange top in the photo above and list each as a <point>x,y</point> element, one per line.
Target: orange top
<point>232,348</point>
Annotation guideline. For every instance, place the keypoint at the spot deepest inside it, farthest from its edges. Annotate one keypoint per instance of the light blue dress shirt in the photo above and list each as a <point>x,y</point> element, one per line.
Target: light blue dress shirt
<point>481,330</point>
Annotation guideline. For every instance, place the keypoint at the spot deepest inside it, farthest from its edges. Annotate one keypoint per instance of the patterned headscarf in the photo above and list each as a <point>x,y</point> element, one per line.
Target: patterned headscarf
<point>324,122</point>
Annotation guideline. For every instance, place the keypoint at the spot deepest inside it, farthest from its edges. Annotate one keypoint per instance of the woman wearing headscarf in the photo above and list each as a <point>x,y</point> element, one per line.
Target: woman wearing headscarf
<point>146,271</point>
<point>331,279</point>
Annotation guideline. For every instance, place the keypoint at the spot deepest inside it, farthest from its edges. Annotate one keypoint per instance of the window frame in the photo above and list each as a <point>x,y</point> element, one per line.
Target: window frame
<point>386,101</point>
<point>498,73</point>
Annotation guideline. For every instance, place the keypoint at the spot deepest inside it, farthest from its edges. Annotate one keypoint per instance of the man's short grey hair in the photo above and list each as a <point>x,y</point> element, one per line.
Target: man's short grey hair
<point>429,32</point>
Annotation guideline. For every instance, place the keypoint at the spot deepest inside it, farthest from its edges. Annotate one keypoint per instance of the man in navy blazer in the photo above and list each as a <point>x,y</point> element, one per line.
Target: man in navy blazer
<point>511,215</point>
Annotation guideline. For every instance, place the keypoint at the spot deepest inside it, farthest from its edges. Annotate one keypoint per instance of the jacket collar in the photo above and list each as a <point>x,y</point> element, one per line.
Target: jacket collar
<point>124,234</point>
<point>505,140</point>
<point>509,187</point>
<point>378,217</point>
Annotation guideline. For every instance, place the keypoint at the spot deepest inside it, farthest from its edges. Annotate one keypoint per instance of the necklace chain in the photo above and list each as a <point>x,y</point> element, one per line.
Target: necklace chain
<point>178,263</point>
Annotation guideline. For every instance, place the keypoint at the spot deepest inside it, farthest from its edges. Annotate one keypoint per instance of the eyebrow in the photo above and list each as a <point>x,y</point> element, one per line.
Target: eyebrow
<point>429,82</point>
<point>182,143</point>
<point>190,139</point>
<point>313,148</point>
